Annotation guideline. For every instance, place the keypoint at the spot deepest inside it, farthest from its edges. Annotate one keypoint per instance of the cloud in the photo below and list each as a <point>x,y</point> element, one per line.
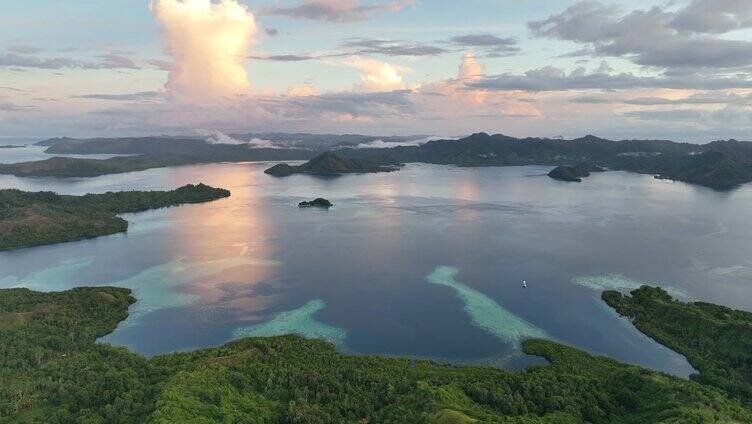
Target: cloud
<point>284,57</point>
<point>218,137</point>
<point>117,61</point>
<point>164,65</point>
<point>494,46</point>
<point>363,106</point>
<point>260,143</point>
<point>302,90</point>
<point>109,61</point>
<point>703,98</point>
<point>714,16</point>
<point>10,107</point>
<point>208,42</point>
<point>336,10</point>
<point>456,98</point>
<point>551,78</point>
<point>24,49</point>
<point>364,46</point>
<point>381,144</point>
<point>657,37</point>
<point>376,76</point>
<point>470,69</point>
<point>13,89</point>
<point>690,115</point>
<point>142,95</point>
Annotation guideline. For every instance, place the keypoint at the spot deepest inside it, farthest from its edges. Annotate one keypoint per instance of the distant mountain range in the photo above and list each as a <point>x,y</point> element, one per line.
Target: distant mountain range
<point>719,165</point>
<point>255,141</point>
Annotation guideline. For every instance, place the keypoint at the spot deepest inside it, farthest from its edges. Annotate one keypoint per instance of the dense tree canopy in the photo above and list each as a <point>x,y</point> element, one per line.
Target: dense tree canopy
<point>716,340</point>
<point>53,371</point>
<point>33,219</point>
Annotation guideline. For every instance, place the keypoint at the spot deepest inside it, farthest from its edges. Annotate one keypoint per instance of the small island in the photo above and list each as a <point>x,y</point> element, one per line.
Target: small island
<point>316,203</point>
<point>329,163</point>
<point>574,173</point>
<point>34,219</point>
<point>13,146</point>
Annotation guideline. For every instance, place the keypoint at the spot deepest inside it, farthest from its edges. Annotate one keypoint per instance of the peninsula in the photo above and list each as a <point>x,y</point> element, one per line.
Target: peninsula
<point>34,219</point>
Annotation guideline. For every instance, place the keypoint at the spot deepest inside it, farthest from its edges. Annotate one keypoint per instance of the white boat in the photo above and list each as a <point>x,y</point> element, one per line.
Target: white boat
<point>524,284</point>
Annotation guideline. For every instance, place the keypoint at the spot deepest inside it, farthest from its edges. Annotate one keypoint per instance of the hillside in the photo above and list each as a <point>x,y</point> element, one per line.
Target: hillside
<point>53,371</point>
<point>33,219</point>
<point>329,163</point>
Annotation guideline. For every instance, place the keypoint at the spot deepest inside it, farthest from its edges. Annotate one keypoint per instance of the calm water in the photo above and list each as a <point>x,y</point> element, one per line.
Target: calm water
<point>426,262</point>
<point>27,151</point>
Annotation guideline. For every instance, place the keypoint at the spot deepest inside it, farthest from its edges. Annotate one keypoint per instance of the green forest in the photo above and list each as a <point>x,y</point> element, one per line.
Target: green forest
<point>52,371</point>
<point>33,219</point>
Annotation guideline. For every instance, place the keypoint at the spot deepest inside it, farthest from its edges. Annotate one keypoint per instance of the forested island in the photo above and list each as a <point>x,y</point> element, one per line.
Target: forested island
<point>34,219</point>
<point>574,173</point>
<point>53,371</point>
<point>329,163</point>
<point>720,165</point>
<point>318,202</point>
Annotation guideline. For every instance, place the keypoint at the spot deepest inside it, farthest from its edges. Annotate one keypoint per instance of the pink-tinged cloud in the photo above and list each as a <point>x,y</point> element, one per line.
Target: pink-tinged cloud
<point>376,76</point>
<point>208,41</point>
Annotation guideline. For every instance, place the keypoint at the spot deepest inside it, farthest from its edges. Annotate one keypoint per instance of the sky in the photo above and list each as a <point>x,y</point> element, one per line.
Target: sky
<point>675,69</point>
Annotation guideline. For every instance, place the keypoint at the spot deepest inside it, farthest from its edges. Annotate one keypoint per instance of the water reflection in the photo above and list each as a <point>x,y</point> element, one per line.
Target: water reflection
<point>256,263</point>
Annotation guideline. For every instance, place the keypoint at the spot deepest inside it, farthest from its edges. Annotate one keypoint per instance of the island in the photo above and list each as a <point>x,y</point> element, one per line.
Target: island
<point>568,173</point>
<point>53,370</point>
<point>330,163</point>
<point>316,203</point>
<point>33,219</point>
<point>574,173</point>
<point>13,146</point>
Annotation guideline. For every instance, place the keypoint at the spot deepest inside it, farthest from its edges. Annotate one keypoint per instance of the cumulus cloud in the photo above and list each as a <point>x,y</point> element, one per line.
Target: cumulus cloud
<point>301,90</point>
<point>470,69</point>
<point>208,41</point>
<point>376,76</point>
<point>346,106</point>
<point>337,10</point>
